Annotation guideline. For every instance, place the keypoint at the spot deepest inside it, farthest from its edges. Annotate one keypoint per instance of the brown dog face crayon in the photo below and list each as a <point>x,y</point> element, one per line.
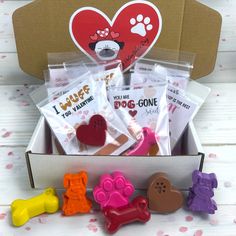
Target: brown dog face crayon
<point>162,196</point>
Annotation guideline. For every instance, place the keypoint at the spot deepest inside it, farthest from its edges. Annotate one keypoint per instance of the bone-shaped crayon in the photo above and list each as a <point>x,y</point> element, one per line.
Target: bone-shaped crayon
<point>23,210</point>
<point>137,210</point>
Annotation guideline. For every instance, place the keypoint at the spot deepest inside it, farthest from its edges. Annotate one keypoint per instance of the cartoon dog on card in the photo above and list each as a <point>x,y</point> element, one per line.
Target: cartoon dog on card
<point>105,44</point>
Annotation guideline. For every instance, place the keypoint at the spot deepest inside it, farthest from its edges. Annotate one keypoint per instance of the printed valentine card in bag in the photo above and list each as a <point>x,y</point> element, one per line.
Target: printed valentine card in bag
<point>84,122</point>
<point>181,108</point>
<point>181,112</point>
<point>144,109</point>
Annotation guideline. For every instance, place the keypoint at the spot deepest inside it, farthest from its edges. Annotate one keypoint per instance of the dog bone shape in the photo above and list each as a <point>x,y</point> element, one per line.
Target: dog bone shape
<point>137,210</point>
<point>23,210</point>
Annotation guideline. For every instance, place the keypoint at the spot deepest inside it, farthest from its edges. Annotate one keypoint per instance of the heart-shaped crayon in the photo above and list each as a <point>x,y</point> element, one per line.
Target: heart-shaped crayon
<point>162,196</point>
<point>93,134</point>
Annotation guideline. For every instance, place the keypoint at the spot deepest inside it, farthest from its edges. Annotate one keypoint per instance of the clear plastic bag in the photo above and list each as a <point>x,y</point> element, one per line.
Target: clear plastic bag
<point>57,76</point>
<point>144,110</point>
<point>179,78</point>
<point>110,72</point>
<point>63,68</point>
<point>175,66</point>
<point>69,112</point>
<point>180,107</point>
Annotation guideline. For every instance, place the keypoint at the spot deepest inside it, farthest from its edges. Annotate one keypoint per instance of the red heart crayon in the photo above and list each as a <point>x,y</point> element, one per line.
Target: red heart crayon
<point>93,134</point>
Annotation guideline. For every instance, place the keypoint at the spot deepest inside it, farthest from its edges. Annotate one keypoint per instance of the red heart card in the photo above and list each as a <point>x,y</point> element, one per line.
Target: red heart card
<point>131,33</point>
<point>93,134</point>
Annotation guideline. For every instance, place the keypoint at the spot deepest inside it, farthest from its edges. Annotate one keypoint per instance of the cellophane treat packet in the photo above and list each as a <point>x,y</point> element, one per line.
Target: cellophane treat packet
<point>176,73</point>
<point>181,108</point>
<point>110,72</point>
<point>85,105</point>
<point>144,107</point>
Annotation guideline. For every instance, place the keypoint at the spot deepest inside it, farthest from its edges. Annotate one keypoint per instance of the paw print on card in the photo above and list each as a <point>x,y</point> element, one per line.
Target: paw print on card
<point>141,25</point>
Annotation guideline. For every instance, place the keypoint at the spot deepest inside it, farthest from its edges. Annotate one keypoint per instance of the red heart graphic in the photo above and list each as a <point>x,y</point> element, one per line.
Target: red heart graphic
<point>133,113</point>
<point>93,134</point>
<point>136,27</point>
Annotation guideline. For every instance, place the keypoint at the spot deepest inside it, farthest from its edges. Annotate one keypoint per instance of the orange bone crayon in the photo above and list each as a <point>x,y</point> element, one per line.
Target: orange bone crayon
<point>75,199</point>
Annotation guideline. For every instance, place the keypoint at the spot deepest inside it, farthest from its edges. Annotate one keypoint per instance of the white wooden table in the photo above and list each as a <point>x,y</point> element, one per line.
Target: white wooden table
<point>215,123</point>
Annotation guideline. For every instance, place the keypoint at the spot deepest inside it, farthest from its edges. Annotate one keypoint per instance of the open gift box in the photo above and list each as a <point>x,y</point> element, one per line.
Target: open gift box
<point>48,170</point>
<point>183,25</point>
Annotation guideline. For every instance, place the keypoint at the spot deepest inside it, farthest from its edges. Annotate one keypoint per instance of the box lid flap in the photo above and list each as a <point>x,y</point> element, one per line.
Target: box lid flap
<point>42,27</point>
<point>200,34</point>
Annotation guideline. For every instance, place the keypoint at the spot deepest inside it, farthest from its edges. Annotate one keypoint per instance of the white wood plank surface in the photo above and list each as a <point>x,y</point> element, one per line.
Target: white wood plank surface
<point>215,123</point>
<point>227,10</point>
<point>221,160</point>
<point>182,223</point>
<point>18,115</point>
<point>10,72</point>
<point>225,69</point>
<point>7,40</point>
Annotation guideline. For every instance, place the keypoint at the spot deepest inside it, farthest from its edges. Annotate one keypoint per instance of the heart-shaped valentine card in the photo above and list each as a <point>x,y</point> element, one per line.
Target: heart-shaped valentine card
<point>130,35</point>
<point>93,134</point>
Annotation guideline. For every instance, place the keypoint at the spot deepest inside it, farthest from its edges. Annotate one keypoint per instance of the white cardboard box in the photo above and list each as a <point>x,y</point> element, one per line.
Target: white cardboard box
<point>48,169</point>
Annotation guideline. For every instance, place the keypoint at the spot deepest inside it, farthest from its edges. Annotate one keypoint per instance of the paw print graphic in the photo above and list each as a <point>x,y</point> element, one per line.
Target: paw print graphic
<point>113,190</point>
<point>141,25</point>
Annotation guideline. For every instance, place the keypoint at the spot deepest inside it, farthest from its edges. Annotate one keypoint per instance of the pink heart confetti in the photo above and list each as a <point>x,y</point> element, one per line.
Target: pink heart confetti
<point>7,134</point>
<point>86,113</point>
<point>92,228</point>
<point>189,218</point>
<point>160,233</point>
<point>9,166</point>
<point>198,233</point>
<point>92,220</point>
<point>212,155</point>
<point>183,229</point>
<point>2,216</point>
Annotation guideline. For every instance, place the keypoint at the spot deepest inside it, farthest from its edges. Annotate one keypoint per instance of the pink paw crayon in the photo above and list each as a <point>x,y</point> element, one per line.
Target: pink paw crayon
<point>113,190</point>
